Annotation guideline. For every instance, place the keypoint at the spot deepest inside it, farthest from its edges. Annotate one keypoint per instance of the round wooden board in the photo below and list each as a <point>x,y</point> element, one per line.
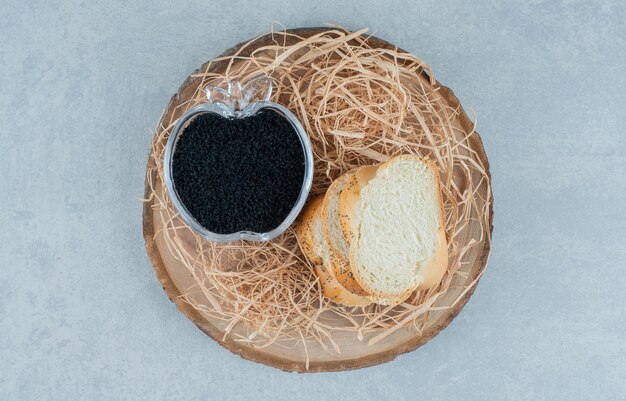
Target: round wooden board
<point>175,279</point>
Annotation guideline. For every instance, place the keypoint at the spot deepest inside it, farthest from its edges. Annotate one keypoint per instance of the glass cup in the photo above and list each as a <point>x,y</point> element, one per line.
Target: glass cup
<point>239,101</point>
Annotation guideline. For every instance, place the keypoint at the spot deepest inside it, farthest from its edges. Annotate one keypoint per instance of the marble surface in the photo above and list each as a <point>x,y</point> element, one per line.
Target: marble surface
<point>83,317</point>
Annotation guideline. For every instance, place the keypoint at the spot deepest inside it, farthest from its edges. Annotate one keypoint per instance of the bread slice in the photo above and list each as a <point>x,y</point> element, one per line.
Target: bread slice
<point>313,244</point>
<point>339,248</point>
<point>348,198</point>
<point>398,240</point>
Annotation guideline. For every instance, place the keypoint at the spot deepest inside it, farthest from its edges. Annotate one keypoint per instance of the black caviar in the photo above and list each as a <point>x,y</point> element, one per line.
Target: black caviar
<point>236,174</point>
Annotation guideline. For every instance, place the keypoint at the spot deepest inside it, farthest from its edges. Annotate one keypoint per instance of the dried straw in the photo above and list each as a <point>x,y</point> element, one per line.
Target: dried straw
<point>360,105</point>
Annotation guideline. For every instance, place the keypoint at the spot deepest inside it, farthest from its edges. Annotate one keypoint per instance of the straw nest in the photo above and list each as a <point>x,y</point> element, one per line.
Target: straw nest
<point>360,104</point>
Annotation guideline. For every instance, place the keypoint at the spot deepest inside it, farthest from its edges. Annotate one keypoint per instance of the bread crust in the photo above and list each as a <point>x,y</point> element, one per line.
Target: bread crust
<point>433,272</point>
<point>335,292</point>
<point>339,264</point>
<point>304,229</point>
